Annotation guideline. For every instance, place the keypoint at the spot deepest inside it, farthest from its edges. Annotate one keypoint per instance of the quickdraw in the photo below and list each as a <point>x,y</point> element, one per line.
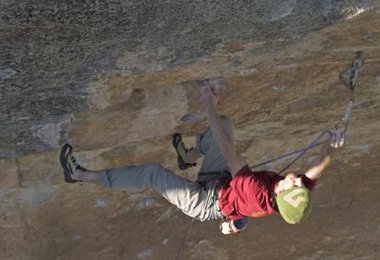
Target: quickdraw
<point>348,77</point>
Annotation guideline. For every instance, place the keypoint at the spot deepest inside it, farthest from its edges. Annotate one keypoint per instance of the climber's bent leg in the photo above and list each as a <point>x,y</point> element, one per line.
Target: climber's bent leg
<point>213,159</point>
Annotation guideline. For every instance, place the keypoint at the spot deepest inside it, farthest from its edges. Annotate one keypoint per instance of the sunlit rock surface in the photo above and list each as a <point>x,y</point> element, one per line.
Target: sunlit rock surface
<point>115,78</point>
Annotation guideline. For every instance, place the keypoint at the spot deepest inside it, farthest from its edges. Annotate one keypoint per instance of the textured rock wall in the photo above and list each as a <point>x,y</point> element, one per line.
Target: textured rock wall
<point>115,77</point>
<point>51,51</point>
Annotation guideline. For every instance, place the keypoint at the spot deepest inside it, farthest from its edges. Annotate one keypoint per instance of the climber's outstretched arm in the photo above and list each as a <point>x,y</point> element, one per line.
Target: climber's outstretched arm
<point>225,141</point>
<point>320,163</point>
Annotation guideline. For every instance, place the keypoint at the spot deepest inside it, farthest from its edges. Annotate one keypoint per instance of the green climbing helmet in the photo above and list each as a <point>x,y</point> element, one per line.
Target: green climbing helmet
<point>294,204</point>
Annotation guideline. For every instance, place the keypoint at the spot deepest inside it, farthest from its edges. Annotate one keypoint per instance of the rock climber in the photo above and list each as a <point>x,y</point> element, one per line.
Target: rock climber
<point>227,189</point>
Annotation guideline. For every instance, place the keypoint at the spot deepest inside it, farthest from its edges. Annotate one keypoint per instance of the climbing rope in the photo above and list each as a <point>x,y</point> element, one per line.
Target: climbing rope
<point>300,152</point>
<point>348,78</point>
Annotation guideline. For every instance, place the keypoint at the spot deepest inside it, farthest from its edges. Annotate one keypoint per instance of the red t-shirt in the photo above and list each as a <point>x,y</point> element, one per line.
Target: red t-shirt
<point>249,193</point>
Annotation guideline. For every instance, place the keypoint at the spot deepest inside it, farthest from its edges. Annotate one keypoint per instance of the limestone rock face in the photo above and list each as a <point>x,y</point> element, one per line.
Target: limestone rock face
<point>115,78</point>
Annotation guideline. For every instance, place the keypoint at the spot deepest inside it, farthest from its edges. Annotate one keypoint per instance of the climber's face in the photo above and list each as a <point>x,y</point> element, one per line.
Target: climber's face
<point>291,180</point>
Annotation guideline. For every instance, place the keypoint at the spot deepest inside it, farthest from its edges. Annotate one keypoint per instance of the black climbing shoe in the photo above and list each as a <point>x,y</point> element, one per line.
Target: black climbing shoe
<point>69,163</point>
<point>181,150</point>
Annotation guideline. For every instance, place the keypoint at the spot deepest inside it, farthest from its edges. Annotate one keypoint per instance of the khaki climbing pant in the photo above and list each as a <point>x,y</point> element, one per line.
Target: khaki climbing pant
<point>195,200</point>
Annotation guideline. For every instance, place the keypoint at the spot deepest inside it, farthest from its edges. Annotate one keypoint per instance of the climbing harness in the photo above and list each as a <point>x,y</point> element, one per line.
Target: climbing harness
<point>348,78</point>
